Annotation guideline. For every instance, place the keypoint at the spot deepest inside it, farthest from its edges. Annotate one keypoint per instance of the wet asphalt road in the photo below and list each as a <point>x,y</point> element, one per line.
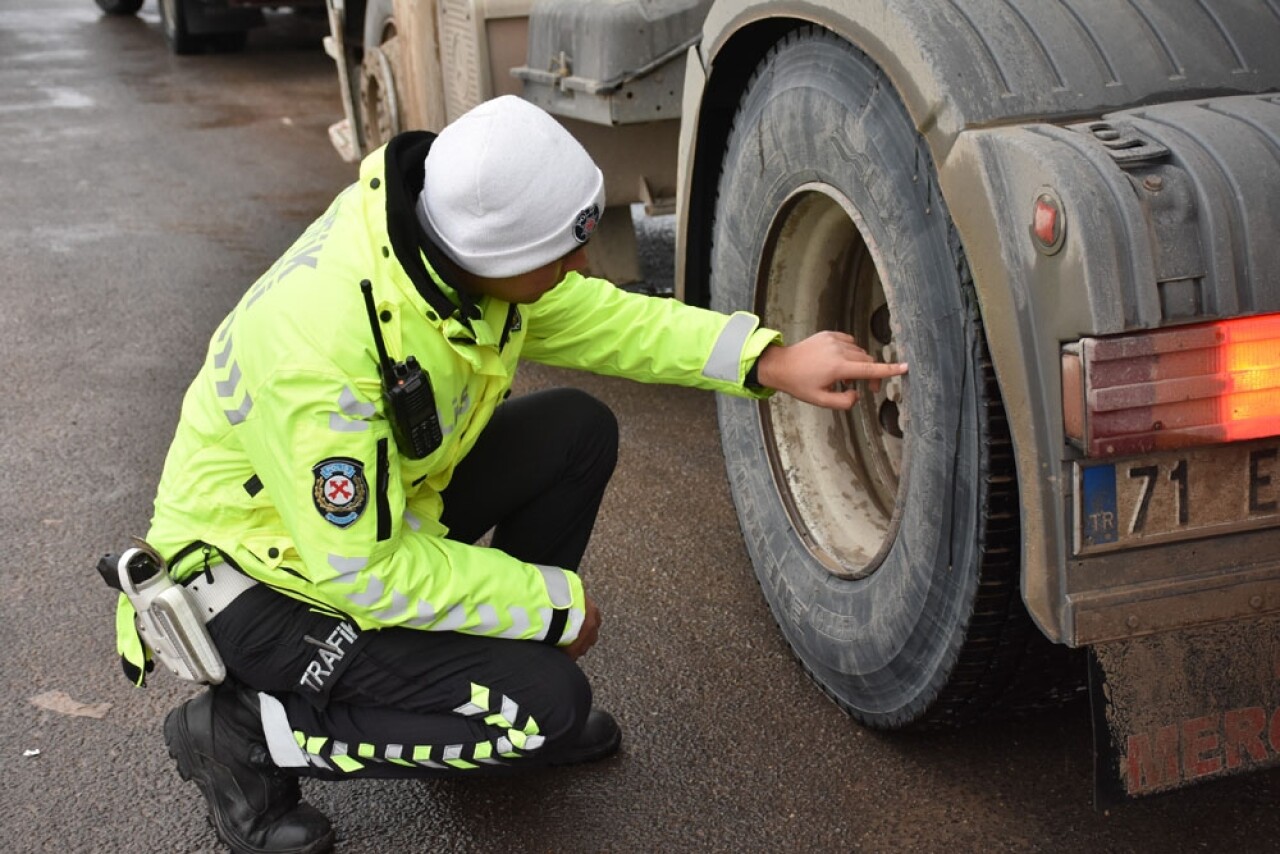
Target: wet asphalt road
<point>141,194</point>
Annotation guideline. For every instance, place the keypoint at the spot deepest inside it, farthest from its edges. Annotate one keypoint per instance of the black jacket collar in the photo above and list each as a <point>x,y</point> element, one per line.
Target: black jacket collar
<point>404,172</point>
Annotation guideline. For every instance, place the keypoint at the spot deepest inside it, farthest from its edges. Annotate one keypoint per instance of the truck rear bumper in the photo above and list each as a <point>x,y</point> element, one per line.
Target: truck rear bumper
<point>1172,588</point>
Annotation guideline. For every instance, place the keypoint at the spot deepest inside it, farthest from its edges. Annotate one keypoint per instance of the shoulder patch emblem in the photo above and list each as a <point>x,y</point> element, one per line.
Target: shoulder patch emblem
<point>340,491</point>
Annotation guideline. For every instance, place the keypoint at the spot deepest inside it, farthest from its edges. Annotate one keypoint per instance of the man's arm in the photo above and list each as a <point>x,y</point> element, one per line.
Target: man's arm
<point>589,324</point>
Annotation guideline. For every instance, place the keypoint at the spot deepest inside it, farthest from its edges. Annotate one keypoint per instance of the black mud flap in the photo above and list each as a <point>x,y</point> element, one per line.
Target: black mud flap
<point>1182,707</point>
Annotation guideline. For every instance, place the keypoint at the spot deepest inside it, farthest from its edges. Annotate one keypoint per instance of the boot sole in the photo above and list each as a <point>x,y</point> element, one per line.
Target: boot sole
<point>178,740</point>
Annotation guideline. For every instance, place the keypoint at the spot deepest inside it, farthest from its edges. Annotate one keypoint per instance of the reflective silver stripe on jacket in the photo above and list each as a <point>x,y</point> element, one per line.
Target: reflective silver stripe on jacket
<point>348,568</point>
<point>726,355</point>
<point>399,604</point>
<point>228,387</point>
<point>372,593</point>
<point>558,589</point>
<point>354,411</point>
<point>487,619</point>
<point>338,424</point>
<point>573,626</point>
<point>238,415</point>
<point>519,623</point>
<point>454,617</point>
<point>220,360</point>
<point>425,617</point>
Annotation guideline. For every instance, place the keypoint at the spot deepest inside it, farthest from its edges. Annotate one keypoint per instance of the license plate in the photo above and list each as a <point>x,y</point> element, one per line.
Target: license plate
<point>1179,495</point>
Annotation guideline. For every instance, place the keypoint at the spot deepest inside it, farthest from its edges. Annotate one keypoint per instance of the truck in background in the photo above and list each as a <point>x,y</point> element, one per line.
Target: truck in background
<point>1062,215</point>
<point>194,26</point>
<point>414,64</point>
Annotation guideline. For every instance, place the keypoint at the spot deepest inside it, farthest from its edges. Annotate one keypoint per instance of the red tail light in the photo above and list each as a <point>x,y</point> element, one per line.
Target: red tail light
<point>1171,388</point>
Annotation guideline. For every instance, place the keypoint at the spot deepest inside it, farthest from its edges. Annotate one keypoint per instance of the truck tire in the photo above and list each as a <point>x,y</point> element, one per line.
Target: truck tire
<point>886,539</point>
<point>120,7</point>
<point>379,104</point>
<point>173,18</point>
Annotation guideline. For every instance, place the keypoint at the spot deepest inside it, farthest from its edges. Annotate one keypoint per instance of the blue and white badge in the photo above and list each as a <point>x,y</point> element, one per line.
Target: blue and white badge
<point>340,491</point>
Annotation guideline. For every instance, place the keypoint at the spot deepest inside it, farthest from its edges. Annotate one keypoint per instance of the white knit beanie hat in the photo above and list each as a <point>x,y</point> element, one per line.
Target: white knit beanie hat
<point>508,189</point>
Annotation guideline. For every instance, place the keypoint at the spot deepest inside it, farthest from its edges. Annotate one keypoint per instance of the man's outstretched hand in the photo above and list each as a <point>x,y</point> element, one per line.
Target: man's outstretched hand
<point>815,370</point>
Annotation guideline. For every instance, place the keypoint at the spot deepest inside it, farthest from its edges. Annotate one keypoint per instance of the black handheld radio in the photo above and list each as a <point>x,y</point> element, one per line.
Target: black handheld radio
<point>406,390</point>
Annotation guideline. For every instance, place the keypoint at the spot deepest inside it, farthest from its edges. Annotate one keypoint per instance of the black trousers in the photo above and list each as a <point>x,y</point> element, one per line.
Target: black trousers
<point>419,703</point>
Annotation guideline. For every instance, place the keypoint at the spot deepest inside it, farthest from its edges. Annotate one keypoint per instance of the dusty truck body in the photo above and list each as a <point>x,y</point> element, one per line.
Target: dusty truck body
<point>421,63</point>
<point>1063,216</point>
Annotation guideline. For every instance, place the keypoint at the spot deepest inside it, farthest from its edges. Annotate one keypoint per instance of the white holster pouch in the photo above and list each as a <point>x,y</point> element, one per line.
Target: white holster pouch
<point>169,619</point>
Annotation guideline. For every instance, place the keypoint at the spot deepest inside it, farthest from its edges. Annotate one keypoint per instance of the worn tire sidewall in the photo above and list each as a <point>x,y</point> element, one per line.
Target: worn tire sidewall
<point>884,645</point>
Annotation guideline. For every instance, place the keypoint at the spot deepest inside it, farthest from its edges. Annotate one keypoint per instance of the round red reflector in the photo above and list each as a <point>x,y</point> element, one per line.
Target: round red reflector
<point>1048,223</point>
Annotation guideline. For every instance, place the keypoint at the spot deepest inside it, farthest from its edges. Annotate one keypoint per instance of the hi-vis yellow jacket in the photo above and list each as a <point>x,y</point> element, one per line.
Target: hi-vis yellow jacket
<point>285,462</point>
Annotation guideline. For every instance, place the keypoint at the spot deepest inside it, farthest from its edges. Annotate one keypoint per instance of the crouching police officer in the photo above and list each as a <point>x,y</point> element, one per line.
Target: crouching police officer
<point>347,442</point>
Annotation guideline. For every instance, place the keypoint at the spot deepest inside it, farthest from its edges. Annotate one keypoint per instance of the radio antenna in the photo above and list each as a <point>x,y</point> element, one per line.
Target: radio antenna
<point>384,361</point>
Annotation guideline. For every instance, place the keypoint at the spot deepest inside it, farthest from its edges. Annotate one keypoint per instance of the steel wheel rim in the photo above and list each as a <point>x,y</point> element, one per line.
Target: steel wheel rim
<point>378,95</point>
<point>840,475</point>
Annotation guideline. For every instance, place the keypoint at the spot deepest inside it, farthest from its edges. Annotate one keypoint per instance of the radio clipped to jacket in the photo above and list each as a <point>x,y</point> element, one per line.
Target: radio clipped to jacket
<point>406,390</point>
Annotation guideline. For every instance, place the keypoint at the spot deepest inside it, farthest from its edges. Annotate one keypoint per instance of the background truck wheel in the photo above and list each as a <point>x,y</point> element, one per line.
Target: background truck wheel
<point>173,17</point>
<point>885,539</point>
<point>120,7</point>
<point>191,27</point>
<point>379,105</point>
<point>230,42</point>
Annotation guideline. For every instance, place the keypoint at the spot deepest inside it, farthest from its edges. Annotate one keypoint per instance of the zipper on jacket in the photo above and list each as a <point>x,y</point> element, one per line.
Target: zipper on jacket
<point>512,324</point>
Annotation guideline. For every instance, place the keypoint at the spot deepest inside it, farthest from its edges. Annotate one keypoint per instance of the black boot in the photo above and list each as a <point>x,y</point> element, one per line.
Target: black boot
<point>217,741</point>
<point>599,739</point>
